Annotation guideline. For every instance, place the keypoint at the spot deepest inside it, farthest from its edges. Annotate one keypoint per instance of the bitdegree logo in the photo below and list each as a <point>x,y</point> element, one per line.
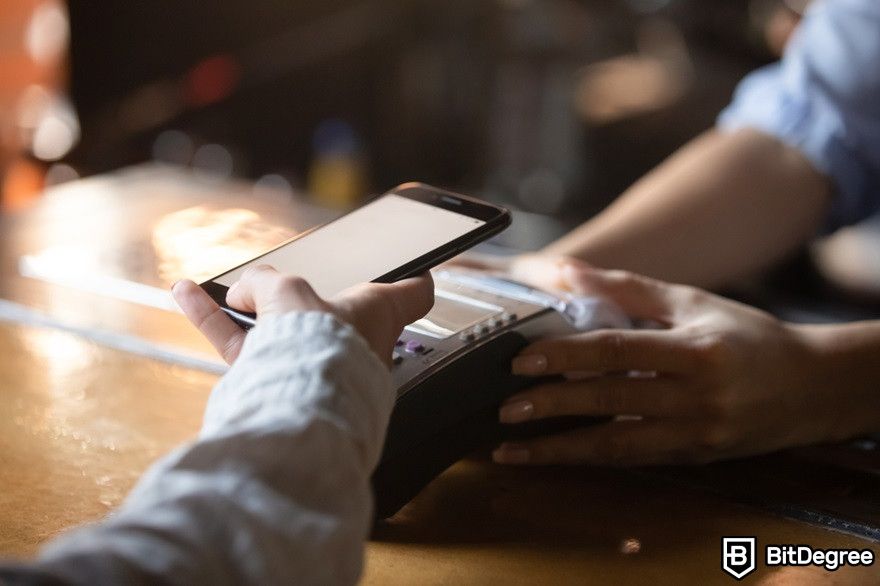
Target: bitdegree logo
<point>738,556</point>
<point>804,555</point>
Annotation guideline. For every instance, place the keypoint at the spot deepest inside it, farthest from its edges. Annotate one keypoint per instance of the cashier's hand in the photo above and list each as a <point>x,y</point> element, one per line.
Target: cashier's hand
<point>539,270</point>
<point>722,380</point>
<point>377,311</point>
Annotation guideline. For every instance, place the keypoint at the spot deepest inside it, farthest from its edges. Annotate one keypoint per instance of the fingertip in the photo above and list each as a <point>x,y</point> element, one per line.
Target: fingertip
<point>570,270</point>
<point>570,275</point>
<point>517,410</point>
<point>424,280</point>
<point>418,293</point>
<point>512,453</point>
<point>185,290</point>
<point>231,291</point>
<point>254,270</point>
<point>192,300</point>
<point>529,364</point>
<point>580,277</point>
<point>428,290</point>
<point>429,281</point>
<point>424,283</point>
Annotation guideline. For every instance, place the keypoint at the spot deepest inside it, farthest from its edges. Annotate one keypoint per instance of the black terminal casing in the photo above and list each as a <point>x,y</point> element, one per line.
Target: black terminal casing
<point>450,415</point>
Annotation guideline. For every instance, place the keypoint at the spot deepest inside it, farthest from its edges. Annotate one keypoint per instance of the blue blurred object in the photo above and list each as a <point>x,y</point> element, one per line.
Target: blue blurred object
<point>335,136</point>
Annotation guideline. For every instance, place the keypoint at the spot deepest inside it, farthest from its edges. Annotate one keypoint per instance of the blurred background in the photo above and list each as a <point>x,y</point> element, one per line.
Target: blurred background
<point>552,107</point>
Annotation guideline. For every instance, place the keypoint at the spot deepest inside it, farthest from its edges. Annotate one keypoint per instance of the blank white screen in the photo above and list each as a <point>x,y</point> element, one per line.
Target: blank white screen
<point>365,244</point>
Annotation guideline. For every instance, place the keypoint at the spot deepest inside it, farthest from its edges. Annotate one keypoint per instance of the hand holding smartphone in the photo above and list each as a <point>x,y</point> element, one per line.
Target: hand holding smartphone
<point>403,233</point>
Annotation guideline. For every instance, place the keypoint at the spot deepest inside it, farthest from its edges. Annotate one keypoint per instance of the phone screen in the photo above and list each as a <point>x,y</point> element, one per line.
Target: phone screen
<point>365,244</point>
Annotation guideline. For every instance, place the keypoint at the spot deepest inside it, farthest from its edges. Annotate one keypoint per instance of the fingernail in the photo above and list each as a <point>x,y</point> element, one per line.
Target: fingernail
<point>529,364</point>
<point>570,271</point>
<point>516,412</point>
<point>511,454</point>
<point>175,283</point>
<point>575,275</point>
<point>232,288</point>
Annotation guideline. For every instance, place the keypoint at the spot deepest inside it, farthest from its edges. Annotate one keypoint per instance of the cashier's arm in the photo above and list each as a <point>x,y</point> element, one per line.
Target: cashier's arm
<point>276,489</point>
<point>721,380</point>
<point>730,380</point>
<point>725,206</point>
<point>797,147</point>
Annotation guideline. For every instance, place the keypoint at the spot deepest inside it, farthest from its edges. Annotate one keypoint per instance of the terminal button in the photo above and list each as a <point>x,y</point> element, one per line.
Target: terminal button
<point>467,336</point>
<point>415,347</point>
<point>481,329</point>
<point>396,358</point>
<point>509,317</point>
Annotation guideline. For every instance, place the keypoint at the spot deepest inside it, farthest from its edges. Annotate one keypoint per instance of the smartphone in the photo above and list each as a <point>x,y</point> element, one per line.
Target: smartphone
<point>400,234</point>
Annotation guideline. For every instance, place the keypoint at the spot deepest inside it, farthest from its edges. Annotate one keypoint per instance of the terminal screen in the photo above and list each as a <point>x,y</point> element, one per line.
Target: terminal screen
<point>452,314</point>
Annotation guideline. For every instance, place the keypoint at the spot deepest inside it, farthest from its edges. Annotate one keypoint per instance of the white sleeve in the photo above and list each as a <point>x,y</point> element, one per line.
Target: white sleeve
<point>275,490</point>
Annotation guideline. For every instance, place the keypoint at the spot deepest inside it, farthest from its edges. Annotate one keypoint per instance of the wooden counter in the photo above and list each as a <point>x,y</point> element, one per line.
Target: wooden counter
<point>79,423</point>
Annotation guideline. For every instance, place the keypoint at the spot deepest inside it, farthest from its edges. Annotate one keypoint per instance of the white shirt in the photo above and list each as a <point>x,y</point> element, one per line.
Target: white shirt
<point>275,490</point>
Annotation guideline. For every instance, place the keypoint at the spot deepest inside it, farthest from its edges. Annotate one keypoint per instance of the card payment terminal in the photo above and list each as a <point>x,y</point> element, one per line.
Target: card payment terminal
<point>452,372</point>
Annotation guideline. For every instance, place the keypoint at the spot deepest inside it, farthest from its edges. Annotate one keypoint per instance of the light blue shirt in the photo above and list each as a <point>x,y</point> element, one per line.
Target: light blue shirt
<point>823,98</point>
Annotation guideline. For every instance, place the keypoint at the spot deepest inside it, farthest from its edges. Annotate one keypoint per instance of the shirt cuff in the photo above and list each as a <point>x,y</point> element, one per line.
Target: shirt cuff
<point>815,129</point>
<point>301,365</point>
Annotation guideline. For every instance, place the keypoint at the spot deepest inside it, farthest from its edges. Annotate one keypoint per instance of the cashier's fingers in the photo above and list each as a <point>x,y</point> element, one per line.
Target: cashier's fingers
<point>263,290</point>
<point>605,351</point>
<point>478,261</point>
<point>609,395</point>
<point>637,295</point>
<point>623,443</point>
<point>210,320</point>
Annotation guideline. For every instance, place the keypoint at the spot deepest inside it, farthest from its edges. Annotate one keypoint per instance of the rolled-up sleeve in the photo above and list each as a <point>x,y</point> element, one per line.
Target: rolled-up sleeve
<point>823,98</point>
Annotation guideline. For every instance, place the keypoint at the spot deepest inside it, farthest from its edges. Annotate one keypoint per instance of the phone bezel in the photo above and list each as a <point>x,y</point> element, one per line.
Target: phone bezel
<point>497,218</point>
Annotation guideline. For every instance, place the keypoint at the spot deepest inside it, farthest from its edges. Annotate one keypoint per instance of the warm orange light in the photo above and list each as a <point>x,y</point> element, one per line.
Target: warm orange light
<point>22,184</point>
<point>630,546</point>
<point>627,86</point>
<point>198,243</point>
<point>651,79</point>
